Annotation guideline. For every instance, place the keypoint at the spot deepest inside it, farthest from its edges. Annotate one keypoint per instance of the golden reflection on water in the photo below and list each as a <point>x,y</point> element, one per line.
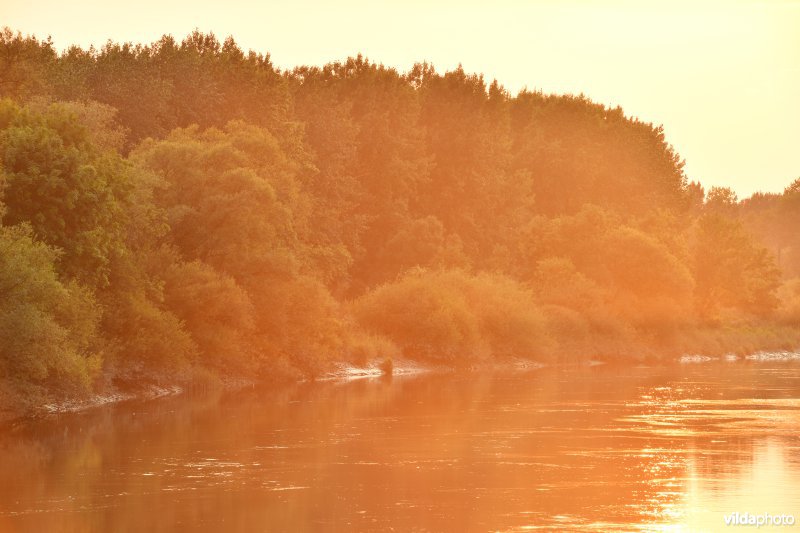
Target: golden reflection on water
<point>602,448</point>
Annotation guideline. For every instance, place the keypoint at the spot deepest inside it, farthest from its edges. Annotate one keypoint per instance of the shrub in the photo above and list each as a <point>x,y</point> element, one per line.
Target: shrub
<point>456,317</point>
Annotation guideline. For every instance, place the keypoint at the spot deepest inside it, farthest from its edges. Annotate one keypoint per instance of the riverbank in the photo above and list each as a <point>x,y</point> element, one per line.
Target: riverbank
<point>344,372</point>
<point>339,371</point>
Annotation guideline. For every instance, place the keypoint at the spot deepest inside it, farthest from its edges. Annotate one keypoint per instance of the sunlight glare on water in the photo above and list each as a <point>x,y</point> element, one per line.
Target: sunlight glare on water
<point>604,448</point>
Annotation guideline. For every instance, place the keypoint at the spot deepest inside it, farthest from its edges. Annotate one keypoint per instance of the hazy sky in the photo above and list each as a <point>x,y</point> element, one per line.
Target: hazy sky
<point>722,77</point>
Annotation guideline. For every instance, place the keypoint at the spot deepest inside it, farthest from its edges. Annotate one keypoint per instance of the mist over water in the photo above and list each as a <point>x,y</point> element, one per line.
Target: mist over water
<point>603,447</point>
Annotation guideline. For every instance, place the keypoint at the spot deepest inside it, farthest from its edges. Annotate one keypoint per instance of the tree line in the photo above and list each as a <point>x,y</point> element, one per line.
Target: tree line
<point>187,211</point>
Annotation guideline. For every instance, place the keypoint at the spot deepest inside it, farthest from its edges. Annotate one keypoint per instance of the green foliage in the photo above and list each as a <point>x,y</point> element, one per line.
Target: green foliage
<point>298,319</point>
<point>47,327</point>
<point>363,128</point>
<point>580,152</point>
<point>455,317</point>
<point>25,63</point>
<point>419,243</point>
<point>184,209</point>
<point>774,219</point>
<point>72,194</point>
<point>216,312</point>
<point>155,88</point>
<point>232,199</point>
<point>789,295</point>
<point>146,338</point>
<point>651,286</point>
<point>557,282</point>
<point>722,200</point>
<point>65,181</point>
<point>468,135</point>
<point>730,269</point>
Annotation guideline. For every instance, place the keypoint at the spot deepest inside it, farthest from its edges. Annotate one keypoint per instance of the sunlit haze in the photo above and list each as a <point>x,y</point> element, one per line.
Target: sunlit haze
<point>722,77</point>
<point>399,266</point>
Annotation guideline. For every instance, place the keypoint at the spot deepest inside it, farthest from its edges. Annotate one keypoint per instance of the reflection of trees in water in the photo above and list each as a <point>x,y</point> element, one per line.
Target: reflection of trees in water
<point>451,451</point>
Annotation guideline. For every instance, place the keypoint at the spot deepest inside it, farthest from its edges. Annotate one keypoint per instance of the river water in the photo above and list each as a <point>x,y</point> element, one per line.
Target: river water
<point>604,448</point>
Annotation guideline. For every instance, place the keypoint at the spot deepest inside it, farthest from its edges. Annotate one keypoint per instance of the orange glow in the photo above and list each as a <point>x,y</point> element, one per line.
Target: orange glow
<point>396,293</point>
<point>721,76</point>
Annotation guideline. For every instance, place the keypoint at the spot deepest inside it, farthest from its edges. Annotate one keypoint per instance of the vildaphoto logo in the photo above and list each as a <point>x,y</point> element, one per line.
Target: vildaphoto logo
<point>758,520</point>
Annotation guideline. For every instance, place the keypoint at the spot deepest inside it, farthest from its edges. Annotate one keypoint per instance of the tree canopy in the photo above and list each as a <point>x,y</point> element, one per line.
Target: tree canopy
<point>184,210</point>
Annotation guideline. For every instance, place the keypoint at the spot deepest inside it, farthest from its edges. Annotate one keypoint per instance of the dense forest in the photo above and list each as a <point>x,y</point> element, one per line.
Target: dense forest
<point>185,212</point>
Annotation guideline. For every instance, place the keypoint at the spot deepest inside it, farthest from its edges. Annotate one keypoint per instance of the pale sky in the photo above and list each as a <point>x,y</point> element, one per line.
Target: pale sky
<point>723,77</point>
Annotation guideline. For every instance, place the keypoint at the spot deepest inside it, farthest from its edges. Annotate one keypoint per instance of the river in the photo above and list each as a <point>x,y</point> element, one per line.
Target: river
<point>606,448</point>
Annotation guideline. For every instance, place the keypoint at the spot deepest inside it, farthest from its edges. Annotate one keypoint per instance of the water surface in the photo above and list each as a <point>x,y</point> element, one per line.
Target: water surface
<point>606,448</point>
